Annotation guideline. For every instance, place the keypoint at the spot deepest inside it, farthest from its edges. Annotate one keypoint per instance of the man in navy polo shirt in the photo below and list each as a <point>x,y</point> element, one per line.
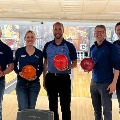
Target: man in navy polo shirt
<point>6,66</point>
<point>58,81</point>
<point>104,74</point>
<point>117,43</point>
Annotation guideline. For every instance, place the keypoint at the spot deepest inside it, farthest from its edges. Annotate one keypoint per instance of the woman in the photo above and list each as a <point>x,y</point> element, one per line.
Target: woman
<point>27,90</point>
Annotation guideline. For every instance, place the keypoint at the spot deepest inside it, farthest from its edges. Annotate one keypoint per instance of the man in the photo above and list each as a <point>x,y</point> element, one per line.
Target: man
<point>104,74</point>
<point>117,43</point>
<point>58,81</point>
<point>6,66</point>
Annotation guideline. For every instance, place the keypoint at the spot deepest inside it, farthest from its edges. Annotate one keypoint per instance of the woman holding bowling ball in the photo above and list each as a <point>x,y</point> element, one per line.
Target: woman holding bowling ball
<point>28,87</point>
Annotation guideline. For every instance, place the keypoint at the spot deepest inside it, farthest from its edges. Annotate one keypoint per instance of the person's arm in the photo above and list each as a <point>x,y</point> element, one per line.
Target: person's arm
<point>10,62</point>
<point>40,66</point>
<point>16,62</point>
<point>45,71</point>
<point>73,65</point>
<point>112,86</point>
<point>116,74</point>
<point>9,69</point>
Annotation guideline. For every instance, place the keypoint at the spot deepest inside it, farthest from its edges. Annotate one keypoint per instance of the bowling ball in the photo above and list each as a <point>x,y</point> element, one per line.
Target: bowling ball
<point>60,61</point>
<point>87,64</point>
<point>28,71</point>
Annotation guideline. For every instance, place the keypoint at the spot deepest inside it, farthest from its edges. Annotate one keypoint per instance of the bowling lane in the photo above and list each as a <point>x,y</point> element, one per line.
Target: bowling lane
<point>11,76</point>
<point>81,82</point>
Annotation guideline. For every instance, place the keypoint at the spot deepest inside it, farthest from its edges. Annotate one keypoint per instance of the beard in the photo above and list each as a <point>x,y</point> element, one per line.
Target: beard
<point>58,36</point>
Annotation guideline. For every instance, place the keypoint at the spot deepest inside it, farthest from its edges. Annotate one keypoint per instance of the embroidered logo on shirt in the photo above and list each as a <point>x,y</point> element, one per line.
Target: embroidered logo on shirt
<point>1,52</point>
<point>36,56</point>
<point>23,55</point>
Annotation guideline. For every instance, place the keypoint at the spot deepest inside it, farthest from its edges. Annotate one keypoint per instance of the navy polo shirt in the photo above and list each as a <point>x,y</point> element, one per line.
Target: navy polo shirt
<point>6,55</point>
<point>106,57</point>
<point>22,59</point>
<point>51,49</point>
<point>117,43</point>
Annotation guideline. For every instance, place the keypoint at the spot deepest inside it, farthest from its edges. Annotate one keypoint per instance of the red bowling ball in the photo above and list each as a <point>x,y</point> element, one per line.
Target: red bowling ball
<point>60,61</point>
<point>87,64</point>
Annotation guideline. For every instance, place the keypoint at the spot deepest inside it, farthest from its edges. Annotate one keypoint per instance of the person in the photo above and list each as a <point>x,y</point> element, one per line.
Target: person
<point>6,66</point>
<point>104,74</point>
<point>27,90</point>
<point>117,43</point>
<point>58,81</point>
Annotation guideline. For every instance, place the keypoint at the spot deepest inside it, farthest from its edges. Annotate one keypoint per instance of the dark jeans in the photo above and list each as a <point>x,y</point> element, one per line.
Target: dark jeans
<point>118,90</point>
<point>27,93</point>
<point>101,97</point>
<point>2,88</point>
<point>59,84</point>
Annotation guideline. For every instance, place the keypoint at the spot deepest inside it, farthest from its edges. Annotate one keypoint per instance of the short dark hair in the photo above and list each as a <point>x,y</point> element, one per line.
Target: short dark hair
<point>117,25</point>
<point>58,23</point>
<point>101,26</point>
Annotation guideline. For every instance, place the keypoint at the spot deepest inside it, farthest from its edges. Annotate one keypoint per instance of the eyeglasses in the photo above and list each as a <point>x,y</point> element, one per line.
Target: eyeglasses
<point>99,32</point>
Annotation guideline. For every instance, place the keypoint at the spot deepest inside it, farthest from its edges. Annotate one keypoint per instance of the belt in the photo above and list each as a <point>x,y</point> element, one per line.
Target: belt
<point>58,74</point>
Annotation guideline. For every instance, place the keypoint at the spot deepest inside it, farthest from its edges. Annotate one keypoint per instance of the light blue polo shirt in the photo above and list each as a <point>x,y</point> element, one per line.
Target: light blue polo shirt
<point>51,49</point>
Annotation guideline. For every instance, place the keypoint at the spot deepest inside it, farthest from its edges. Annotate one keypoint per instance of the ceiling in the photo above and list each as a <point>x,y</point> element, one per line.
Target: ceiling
<point>68,10</point>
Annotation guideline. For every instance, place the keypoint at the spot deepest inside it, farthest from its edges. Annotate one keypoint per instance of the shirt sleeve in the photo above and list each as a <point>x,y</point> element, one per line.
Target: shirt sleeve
<point>10,56</point>
<point>16,62</point>
<point>40,65</point>
<point>44,50</point>
<point>115,57</point>
<point>73,53</point>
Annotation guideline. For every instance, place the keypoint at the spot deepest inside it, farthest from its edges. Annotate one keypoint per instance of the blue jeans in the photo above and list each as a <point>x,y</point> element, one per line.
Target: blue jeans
<point>27,93</point>
<point>101,97</point>
<point>2,88</point>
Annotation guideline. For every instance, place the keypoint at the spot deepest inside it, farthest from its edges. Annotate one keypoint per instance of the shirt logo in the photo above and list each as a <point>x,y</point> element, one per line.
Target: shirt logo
<point>36,56</point>
<point>1,52</point>
<point>23,55</point>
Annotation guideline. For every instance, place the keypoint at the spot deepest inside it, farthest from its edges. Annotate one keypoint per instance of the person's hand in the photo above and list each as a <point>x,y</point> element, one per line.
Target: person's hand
<point>86,71</point>
<point>112,87</point>
<point>63,69</point>
<point>30,79</point>
<point>20,73</point>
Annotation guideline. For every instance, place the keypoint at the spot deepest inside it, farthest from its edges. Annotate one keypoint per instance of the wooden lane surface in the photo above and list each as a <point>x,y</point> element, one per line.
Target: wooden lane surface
<point>11,76</point>
<point>81,83</point>
<point>81,108</point>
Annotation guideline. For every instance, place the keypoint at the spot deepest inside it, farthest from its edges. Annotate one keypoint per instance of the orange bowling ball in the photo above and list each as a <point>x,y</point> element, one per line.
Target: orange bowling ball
<point>28,71</point>
<point>60,61</point>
